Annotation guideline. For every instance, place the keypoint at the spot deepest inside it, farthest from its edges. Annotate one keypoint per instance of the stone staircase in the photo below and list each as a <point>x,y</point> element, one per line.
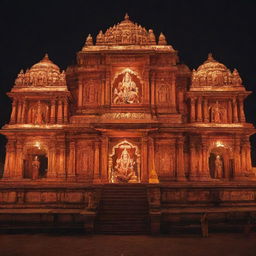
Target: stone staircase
<point>123,209</point>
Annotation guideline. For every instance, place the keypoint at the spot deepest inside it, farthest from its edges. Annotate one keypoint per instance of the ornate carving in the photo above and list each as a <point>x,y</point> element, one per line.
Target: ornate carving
<point>126,33</point>
<point>214,74</point>
<point>43,74</point>
<point>125,91</point>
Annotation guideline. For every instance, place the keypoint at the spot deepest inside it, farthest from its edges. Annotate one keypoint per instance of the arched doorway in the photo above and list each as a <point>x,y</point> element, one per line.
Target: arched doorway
<point>35,163</point>
<point>124,163</point>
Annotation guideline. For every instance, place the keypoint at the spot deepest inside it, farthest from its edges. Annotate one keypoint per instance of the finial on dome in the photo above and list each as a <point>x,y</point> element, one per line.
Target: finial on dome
<point>46,57</point>
<point>210,57</point>
<point>162,39</point>
<point>89,41</point>
<point>126,17</point>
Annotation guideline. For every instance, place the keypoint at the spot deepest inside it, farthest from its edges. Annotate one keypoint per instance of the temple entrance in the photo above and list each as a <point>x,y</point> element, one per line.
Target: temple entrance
<point>220,164</point>
<point>35,163</point>
<point>124,163</point>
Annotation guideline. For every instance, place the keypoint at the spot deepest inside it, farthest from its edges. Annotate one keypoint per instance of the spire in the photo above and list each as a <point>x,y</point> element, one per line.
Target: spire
<point>46,57</point>
<point>162,39</point>
<point>210,57</point>
<point>89,41</point>
<point>152,37</point>
<point>126,17</point>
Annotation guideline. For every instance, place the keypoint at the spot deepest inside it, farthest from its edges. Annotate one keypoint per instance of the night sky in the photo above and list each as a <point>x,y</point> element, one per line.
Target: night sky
<point>29,29</point>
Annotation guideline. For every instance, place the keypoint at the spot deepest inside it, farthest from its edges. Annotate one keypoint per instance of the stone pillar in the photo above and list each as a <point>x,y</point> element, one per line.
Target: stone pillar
<point>144,160</point>
<point>96,173</point>
<point>243,157</point>
<point>53,112</point>
<point>80,93</point>
<point>72,161</point>
<point>206,112</point>
<point>193,171</point>
<point>65,112</point>
<point>173,96</point>
<point>19,160</point>
<point>199,109</point>
<point>229,111</point>
<point>180,159</point>
<point>24,110</point>
<point>192,110</point>
<point>205,167</point>
<point>237,171</point>
<point>234,106</point>
<point>241,110</point>
<point>9,166</point>
<point>104,160</point>
<point>62,160</point>
<point>248,156</point>
<point>13,119</point>
<point>52,161</point>
<point>60,112</point>
<point>19,111</point>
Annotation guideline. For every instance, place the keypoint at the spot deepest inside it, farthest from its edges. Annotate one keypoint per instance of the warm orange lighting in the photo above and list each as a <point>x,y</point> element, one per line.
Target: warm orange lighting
<point>37,144</point>
<point>219,144</point>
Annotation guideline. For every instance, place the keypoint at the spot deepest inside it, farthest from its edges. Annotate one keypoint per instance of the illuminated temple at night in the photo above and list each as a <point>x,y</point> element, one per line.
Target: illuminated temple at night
<point>127,140</point>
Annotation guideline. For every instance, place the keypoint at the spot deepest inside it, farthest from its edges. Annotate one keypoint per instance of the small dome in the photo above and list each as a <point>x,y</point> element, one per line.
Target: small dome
<point>43,75</point>
<point>213,75</point>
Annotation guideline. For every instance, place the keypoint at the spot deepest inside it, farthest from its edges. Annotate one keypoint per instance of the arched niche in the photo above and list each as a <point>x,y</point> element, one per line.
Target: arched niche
<point>35,162</point>
<point>126,88</point>
<point>38,113</point>
<point>221,163</point>
<point>124,163</point>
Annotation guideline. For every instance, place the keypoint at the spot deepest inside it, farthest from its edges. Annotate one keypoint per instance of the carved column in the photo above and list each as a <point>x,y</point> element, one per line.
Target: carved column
<point>60,112</point>
<point>23,112</point>
<point>199,109</point>
<point>248,155</point>
<point>173,96</point>
<point>229,111</point>
<point>205,167</point>
<point>72,161</point>
<point>52,161</point>
<point>241,110</point>
<point>96,173</point>
<point>53,112</point>
<point>80,93</point>
<point>206,112</point>
<point>19,111</point>
<point>234,106</point>
<point>192,110</point>
<point>13,119</point>
<point>19,160</point>
<point>104,159</point>
<point>107,89</point>
<point>144,160</point>
<point>180,159</point>
<point>193,171</point>
<point>9,166</point>
<point>65,112</point>
<point>243,156</point>
<point>237,152</point>
<point>62,160</point>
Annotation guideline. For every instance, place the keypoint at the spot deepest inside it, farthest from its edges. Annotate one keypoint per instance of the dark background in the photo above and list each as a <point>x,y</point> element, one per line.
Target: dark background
<point>29,29</point>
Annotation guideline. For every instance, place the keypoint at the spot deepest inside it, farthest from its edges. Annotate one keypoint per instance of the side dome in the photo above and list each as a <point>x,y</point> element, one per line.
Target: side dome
<point>213,75</point>
<point>44,75</point>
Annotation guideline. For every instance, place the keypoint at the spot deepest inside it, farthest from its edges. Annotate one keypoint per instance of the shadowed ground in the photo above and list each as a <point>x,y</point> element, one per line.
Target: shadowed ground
<point>73,245</point>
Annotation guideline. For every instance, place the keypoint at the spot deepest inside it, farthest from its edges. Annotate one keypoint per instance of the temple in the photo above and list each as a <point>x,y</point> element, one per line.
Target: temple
<point>128,114</point>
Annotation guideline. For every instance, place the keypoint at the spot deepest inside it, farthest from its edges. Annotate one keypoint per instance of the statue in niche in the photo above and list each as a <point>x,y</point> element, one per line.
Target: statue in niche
<point>124,168</point>
<point>163,94</point>
<point>35,168</point>
<point>38,113</point>
<point>217,113</point>
<point>127,92</point>
<point>218,170</point>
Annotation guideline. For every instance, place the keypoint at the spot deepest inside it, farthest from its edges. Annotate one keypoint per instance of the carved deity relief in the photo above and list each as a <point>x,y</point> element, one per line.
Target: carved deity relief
<point>163,94</point>
<point>218,170</point>
<point>126,89</point>
<point>124,163</point>
<point>217,113</point>
<point>90,94</point>
<point>38,113</point>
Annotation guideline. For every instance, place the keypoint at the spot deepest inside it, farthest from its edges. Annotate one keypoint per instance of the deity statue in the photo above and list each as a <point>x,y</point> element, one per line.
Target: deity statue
<point>124,168</point>
<point>127,91</point>
<point>218,171</point>
<point>216,113</point>
<point>35,168</point>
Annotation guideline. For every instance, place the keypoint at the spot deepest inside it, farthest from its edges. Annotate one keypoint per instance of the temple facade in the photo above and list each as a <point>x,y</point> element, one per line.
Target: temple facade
<point>128,112</point>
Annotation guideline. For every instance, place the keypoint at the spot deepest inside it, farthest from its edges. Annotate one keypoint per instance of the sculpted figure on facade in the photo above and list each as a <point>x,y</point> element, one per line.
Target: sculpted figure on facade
<point>35,168</point>
<point>124,168</point>
<point>38,113</point>
<point>127,91</point>
<point>218,173</point>
<point>217,113</point>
